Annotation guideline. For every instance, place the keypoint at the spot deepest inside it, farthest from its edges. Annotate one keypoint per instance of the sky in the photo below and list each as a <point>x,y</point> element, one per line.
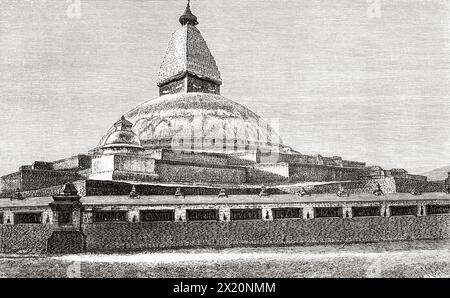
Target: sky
<point>367,80</point>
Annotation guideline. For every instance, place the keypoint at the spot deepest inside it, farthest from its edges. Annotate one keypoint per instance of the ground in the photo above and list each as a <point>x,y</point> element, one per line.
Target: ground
<point>429,258</point>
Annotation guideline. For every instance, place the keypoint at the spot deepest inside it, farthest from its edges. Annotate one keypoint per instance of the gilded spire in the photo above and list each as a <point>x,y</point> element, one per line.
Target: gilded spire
<point>188,17</point>
<point>188,65</point>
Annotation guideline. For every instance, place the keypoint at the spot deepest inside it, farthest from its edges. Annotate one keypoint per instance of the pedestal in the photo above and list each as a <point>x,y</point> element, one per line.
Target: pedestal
<point>67,236</point>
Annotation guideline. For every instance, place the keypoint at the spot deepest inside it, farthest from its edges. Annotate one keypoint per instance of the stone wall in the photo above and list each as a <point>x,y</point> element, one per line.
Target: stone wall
<point>25,238</point>
<point>46,174</point>
<point>30,179</point>
<point>123,167</point>
<point>310,172</point>
<point>177,172</point>
<point>281,168</point>
<point>35,179</point>
<point>268,173</point>
<point>80,185</point>
<point>108,237</point>
<point>193,157</point>
<point>353,187</point>
<point>407,185</point>
<point>353,164</point>
<point>122,162</point>
<point>9,183</point>
<point>99,188</point>
<point>158,235</point>
<point>297,158</point>
<point>242,159</point>
<point>66,242</point>
<point>320,160</point>
<point>42,165</point>
<point>74,163</point>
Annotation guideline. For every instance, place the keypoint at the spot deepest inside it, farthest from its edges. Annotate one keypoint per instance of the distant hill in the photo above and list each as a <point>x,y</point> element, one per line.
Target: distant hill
<point>437,174</point>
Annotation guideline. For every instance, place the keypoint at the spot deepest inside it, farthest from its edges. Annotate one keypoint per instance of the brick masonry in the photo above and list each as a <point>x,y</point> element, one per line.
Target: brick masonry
<point>140,236</point>
<point>407,185</point>
<point>9,183</point>
<point>175,172</point>
<point>24,238</point>
<point>128,236</point>
<point>36,179</point>
<point>53,190</point>
<point>311,172</point>
<point>388,185</point>
<point>98,187</point>
<point>192,157</point>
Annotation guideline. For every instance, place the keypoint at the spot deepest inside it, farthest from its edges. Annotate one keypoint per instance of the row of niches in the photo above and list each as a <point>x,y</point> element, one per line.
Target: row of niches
<point>161,215</point>
<point>34,217</point>
<point>258,214</point>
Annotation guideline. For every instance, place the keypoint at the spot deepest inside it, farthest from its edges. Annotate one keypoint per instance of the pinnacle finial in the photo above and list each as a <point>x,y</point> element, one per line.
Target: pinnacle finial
<point>123,124</point>
<point>188,17</point>
<point>69,189</point>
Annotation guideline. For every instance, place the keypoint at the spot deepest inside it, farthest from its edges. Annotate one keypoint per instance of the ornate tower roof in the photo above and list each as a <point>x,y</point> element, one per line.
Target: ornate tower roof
<point>122,136</point>
<point>188,55</point>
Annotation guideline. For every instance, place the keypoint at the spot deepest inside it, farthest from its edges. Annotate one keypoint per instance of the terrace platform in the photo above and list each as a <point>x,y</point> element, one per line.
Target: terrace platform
<point>158,200</point>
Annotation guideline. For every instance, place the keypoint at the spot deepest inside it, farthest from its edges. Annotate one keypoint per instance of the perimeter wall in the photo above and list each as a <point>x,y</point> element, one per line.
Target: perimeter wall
<point>141,236</point>
<point>109,237</point>
<point>24,238</point>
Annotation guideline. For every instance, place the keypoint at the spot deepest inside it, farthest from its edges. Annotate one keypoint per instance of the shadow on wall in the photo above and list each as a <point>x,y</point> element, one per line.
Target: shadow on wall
<point>258,176</point>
